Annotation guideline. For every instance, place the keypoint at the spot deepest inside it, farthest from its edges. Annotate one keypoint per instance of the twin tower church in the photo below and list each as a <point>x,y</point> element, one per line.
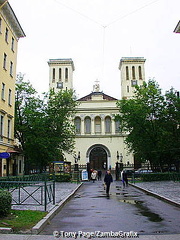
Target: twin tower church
<point>99,140</point>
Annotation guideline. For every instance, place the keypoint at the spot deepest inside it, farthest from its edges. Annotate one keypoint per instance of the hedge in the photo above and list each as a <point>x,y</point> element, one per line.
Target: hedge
<point>5,202</point>
<point>160,177</point>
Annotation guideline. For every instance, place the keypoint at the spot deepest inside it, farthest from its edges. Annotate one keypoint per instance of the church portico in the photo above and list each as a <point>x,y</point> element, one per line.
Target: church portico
<point>99,157</point>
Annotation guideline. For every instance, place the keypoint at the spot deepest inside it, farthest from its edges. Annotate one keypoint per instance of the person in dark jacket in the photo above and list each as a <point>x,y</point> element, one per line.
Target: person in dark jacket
<point>108,179</point>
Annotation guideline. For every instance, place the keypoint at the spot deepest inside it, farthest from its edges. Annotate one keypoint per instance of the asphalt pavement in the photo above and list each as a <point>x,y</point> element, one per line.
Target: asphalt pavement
<point>88,189</point>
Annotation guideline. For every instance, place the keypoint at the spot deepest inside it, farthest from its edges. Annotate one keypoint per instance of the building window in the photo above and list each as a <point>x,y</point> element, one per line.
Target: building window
<point>60,73</point>
<point>12,44</point>
<point>108,125</point>
<point>117,126</point>
<point>128,89</point>
<point>3,92</point>
<point>53,75</point>
<point>66,74</point>
<point>133,72</point>
<point>140,72</point>
<point>1,127</point>
<point>11,69</point>
<point>9,130</point>
<point>5,61</point>
<point>77,123</point>
<point>9,97</point>
<point>87,124</point>
<point>127,73</point>
<point>6,35</point>
<point>97,125</point>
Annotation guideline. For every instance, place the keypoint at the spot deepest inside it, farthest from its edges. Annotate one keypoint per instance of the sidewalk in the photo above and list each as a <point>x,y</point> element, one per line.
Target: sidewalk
<point>167,190</point>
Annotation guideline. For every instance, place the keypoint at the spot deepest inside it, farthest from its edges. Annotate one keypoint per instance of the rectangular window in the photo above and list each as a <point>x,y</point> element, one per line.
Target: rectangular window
<point>127,73</point>
<point>3,92</point>
<point>11,69</point>
<point>1,127</point>
<point>6,35</point>
<point>66,74</point>
<point>53,75</point>
<point>9,130</point>
<point>9,97</point>
<point>60,73</point>
<point>5,61</point>
<point>12,44</point>
<point>127,88</point>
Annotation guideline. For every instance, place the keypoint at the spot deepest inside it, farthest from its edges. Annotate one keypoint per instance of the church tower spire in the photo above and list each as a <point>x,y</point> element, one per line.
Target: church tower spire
<point>61,74</point>
<point>132,74</point>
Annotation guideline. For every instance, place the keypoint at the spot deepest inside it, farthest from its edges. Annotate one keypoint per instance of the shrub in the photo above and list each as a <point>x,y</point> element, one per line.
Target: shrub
<point>63,178</point>
<point>160,177</point>
<point>5,202</point>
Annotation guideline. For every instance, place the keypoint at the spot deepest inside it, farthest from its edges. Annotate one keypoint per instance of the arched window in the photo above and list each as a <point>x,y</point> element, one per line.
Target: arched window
<point>108,125</point>
<point>140,72</point>
<point>133,72</point>
<point>87,125</point>
<point>77,123</point>
<point>60,73</point>
<point>97,125</point>
<point>66,73</point>
<point>127,73</point>
<point>117,126</point>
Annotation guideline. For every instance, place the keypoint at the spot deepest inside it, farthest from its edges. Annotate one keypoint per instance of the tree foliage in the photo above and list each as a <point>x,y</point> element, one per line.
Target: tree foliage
<point>43,126</point>
<point>151,121</point>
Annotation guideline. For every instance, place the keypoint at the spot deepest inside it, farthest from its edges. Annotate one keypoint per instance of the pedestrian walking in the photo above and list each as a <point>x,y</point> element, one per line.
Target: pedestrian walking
<point>99,174</point>
<point>94,175</point>
<point>108,179</point>
<point>124,178</point>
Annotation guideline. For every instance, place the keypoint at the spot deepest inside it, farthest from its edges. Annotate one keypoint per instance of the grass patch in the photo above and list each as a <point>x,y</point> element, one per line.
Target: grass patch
<point>21,220</point>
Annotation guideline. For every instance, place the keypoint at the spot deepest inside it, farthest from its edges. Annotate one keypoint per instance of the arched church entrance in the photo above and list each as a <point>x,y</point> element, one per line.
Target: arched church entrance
<point>98,158</point>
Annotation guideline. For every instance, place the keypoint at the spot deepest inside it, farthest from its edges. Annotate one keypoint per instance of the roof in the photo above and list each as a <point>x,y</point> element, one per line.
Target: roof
<point>63,61</point>
<point>104,97</point>
<point>177,28</point>
<point>131,60</point>
<point>7,10</point>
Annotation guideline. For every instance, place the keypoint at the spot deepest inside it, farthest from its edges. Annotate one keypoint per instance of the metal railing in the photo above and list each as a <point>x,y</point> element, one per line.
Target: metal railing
<point>30,192</point>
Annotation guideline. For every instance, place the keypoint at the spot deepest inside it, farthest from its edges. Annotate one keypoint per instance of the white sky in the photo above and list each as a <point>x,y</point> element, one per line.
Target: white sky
<point>96,34</point>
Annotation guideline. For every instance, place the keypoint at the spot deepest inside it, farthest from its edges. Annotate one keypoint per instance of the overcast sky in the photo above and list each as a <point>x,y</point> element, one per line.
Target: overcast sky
<point>96,34</point>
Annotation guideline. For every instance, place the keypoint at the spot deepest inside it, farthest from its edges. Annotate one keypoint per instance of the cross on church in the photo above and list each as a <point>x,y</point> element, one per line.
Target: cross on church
<point>96,86</point>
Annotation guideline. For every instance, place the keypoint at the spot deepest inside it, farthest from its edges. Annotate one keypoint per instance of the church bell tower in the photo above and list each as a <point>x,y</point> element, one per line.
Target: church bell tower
<point>132,74</point>
<point>61,74</point>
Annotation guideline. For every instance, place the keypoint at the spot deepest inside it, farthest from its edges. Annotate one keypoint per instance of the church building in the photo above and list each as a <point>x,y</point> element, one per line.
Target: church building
<point>99,140</point>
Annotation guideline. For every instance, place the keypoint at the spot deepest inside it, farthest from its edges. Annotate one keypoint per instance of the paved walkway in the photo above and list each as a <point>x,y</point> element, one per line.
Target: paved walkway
<point>166,189</point>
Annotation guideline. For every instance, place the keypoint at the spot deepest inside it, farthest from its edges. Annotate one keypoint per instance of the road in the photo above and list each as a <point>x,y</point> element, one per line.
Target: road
<point>127,209</point>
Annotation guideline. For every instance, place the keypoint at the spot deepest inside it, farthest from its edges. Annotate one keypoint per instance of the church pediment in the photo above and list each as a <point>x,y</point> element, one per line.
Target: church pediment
<point>96,96</point>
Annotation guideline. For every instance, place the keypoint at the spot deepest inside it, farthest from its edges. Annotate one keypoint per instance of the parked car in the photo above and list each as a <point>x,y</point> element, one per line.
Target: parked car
<point>142,171</point>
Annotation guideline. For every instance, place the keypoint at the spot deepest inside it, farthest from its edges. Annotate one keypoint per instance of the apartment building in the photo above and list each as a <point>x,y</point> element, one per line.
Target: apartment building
<point>11,162</point>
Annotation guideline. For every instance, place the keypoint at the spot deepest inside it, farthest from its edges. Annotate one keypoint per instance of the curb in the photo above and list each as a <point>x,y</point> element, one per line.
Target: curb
<point>157,195</point>
<point>43,222</point>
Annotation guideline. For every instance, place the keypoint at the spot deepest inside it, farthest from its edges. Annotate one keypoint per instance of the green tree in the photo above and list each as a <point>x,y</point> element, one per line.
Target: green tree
<point>146,120</point>
<point>43,126</point>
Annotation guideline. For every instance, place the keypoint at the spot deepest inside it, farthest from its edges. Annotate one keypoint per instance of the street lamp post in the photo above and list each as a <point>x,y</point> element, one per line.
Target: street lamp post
<point>76,166</point>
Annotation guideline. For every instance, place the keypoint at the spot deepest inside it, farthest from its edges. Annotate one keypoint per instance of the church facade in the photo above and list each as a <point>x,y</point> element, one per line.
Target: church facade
<point>99,140</point>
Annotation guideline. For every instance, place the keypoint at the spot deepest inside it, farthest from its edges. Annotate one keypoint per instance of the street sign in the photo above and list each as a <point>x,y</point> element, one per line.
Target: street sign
<point>4,155</point>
